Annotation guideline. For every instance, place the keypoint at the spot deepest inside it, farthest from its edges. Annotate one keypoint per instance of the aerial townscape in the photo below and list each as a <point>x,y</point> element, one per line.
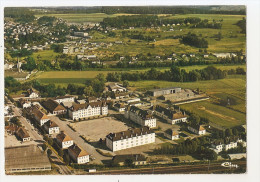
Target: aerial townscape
<point>125,90</point>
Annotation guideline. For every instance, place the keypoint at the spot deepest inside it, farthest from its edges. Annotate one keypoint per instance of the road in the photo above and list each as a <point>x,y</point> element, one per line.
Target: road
<point>187,169</point>
<point>39,139</point>
<point>78,140</point>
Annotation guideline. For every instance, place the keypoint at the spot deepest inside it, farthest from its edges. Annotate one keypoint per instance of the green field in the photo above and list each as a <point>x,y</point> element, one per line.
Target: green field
<point>233,86</point>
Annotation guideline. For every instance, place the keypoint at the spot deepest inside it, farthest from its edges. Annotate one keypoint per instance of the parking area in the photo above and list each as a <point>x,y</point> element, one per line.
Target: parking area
<point>12,141</point>
<point>95,129</point>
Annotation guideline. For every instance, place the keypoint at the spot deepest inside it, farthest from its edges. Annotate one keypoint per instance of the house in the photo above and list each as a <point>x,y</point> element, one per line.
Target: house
<point>32,93</point>
<point>138,159</point>
<point>237,156</point>
<point>226,144</point>
<point>119,107</point>
<point>92,99</point>
<point>66,98</point>
<point>115,87</point>
<point>54,107</point>
<point>80,34</point>
<point>51,127</point>
<point>11,129</point>
<point>133,100</point>
<point>170,115</point>
<point>23,134</point>
<point>24,103</point>
<point>64,140</point>
<point>130,138</point>
<point>140,116</point>
<point>78,111</point>
<point>78,155</point>
<point>198,129</point>
<point>172,135</point>
<point>121,95</point>
<point>39,115</point>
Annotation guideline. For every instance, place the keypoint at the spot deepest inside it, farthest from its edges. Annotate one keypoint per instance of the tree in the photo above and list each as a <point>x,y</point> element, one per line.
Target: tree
<point>49,152</point>
<point>125,83</point>
<point>88,91</point>
<point>60,152</point>
<point>50,141</point>
<point>228,132</point>
<point>235,132</point>
<point>194,119</point>
<point>128,162</point>
<point>66,158</point>
<point>44,147</point>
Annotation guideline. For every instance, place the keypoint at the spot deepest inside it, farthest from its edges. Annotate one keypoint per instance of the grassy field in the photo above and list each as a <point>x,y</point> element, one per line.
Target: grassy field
<point>219,115</point>
<point>233,86</point>
<point>45,55</point>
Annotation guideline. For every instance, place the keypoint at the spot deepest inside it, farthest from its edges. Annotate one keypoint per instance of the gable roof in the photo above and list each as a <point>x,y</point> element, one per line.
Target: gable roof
<point>197,127</point>
<point>52,105</point>
<point>39,113</point>
<point>130,133</point>
<point>76,107</point>
<point>77,151</point>
<point>51,124</point>
<point>170,113</point>
<point>62,137</point>
<point>140,112</point>
<point>22,133</point>
<point>32,90</point>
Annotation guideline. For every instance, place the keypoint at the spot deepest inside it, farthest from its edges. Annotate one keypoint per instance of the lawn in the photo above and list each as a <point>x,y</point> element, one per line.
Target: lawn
<point>45,55</point>
<point>233,86</point>
<point>216,114</point>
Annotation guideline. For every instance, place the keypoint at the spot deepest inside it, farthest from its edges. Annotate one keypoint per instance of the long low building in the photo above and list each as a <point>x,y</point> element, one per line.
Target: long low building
<point>165,91</point>
<point>140,116</point>
<point>78,111</point>
<point>130,138</point>
<point>26,159</point>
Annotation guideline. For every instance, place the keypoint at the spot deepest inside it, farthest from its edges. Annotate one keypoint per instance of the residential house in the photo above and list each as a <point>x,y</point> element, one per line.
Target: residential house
<point>32,93</point>
<point>198,129</point>
<point>51,127</point>
<point>226,144</point>
<point>64,140</point>
<point>140,116</point>
<point>54,107</point>
<point>39,116</point>
<point>78,155</point>
<point>23,134</point>
<point>170,115</point>
<point>25,103</point>
<point>130,138</point>
<point>119,107</point>
<point>66,98</point>
<point>138,159</point>
<point>172,135</point>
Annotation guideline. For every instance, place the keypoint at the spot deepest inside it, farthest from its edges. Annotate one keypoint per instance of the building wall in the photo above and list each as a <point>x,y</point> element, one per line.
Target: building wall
<point>130,142</point>
<point>70,99</point>
<point>137,119</point>
<point>33,95</point>
<point>89,112</point>
<point>54,130</point>
<point>67,144</point>
<point>83,159</point>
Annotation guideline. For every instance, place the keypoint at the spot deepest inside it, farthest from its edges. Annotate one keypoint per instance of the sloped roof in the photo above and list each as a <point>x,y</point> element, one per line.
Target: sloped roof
<point>77,151</point>
<point>22,133</point>
<point>140,112</point>
<point>52,105</point>
<point>130,133</point>
<point>51,124</point>
<point>39,113</point>
<point>62,137</point>
<point>76,107</point>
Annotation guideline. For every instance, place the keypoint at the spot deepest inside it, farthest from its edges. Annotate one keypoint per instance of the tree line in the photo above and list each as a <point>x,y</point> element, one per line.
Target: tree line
<point>193,40</point>
<point>174,74</point>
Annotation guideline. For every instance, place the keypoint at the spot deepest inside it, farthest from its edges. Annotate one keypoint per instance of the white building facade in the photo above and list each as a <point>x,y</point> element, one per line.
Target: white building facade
<point>78,111</point>
<point>130,138</point>
<point>140,116</point>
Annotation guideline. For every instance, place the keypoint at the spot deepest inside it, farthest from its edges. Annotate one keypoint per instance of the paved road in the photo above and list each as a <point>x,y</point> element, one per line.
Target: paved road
<point>187,169</point>
<point>39,138</point>
<point>78,140</point>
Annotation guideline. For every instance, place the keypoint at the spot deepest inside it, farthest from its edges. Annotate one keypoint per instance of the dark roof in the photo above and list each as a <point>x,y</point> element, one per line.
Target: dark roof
<point>38,113</point>
<point>77,151</point>
<point>119,105</point>
<point>154,90</point>
<point>62,137</point>
<point>76,107</point>
<point>22,133</point>
<point>51,124</point>
<point>121,94</point>
<point>197,127</point>
<point>134,157</point>
<point>171,132</point>
<point>170,113</point>
<point>52,105</point>
<point>130,133</point>
<point>140,112</point>
<point>65,96</point>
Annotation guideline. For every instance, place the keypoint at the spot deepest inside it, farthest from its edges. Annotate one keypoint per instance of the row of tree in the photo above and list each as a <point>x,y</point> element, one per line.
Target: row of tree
<point>175,74</point>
